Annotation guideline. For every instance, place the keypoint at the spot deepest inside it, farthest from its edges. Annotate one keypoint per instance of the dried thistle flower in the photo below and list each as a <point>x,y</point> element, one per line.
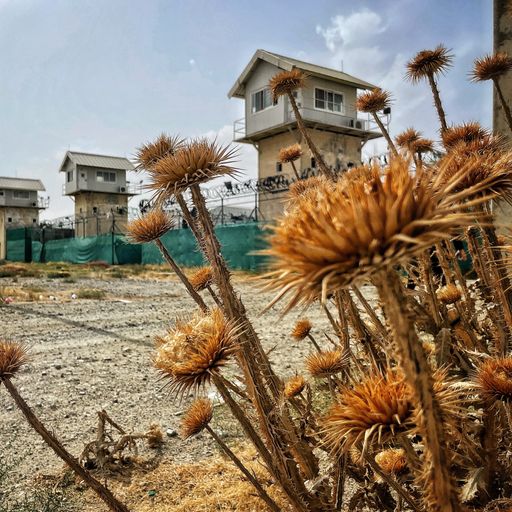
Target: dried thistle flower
<point>423,145</point>
<point>154,436</point>
<point>465,132</point>
<point>150,227</point>
<point>201,278</point>
<point>286,82</point>
<point>373,413</point>
<point>407,138</point>
<point>301,329</point>
<point>449,294</point>
<point>294,386</point>
<point>392,461</point>
<point>196,162</point>
<point>491,66</point>
<point>13,356</point>
<point>193,351</point>
<point>354,229</point>
<point>428,63</point>
<point>373,101</point>
<point>324,364</point>
<point>148,154</point>
<point>494,379</point>
<point>197,418</point>
<point>307,186</point>
<point>290,153</point>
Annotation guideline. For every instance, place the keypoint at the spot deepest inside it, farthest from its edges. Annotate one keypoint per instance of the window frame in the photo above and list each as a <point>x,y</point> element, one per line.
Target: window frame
<point>272,102</point>
<point>103,173</point>
<point>24,197</point>
<point>333,92</point>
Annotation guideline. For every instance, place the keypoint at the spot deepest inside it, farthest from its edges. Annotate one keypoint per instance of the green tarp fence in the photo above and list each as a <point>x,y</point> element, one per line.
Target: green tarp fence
<point>238,241</point>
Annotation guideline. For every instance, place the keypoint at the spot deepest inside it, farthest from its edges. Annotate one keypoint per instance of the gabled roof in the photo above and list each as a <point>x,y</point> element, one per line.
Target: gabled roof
<point>92,160</point>
<point>21,184</point>
<point>288,63</point>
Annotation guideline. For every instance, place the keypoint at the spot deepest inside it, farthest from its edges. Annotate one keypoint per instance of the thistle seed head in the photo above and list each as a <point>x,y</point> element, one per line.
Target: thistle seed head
<point>290,153</point>
<point>195,350</point>
<point>301,329</point>
<point>324,364</point>
<point>201,278</point>
<point>294,386</point>
<point>286,82</point>
<point>150,227</point>
<point>373,101</point>
<point>197,418</point>
<point>429,63</point>
<point>13,356</point>
<point>491,67</point>
<point>196,162</point>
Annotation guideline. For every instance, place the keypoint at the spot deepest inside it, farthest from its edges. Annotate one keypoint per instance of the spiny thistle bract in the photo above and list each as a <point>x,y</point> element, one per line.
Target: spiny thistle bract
<point>494,379</point>
<point>407,138</point>
<point>148,154</point>
<point>201,278</point>
<point>449,294</point>
<point>302,187</point>
<point>13,356</point>
<point>294,386</point>
<point>491,67</point>
<point>301,329</point>
<point>197,418</point>
<point>286,82</point>
<point>423,145</point>
<point>465,132</point>
<point>392,461</point>
<point>428,63</point>
<point>193,351</point>
<point>372,413</point>
<point>324,364</point>
<point>373,101</point>
<point>196,162</point>
<point>290,153</point>
<point>150,227</point>
<point>352,230</point>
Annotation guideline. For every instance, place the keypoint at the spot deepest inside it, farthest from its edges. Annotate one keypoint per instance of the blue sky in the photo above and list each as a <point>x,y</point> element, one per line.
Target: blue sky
<point>106,75</point>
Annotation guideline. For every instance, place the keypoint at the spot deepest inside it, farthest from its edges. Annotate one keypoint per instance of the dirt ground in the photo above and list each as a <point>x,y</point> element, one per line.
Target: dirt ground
<point>93,354</point>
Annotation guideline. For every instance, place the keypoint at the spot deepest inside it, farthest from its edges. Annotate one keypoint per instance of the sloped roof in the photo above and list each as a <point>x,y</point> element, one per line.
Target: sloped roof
<point>288,63</point>
<point>7,182</point>
<point>93,160</point>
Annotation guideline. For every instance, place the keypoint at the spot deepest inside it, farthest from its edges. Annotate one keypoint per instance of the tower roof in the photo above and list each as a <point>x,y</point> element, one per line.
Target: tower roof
<point>288,63</point>
<point>94,160</point>
<point>7,182</point>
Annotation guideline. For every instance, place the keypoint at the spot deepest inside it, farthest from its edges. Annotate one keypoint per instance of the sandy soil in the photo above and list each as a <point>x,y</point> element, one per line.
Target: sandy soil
<point>88,355</point>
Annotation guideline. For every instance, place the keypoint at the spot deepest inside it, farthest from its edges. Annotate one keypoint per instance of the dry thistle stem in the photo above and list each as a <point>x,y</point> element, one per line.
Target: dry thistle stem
<point>373,412</point>
<point>301,329</point>
<point>148,154</point>
<point>197,418</point>
<point>494,379</point>
<point>13,356</point>
<point>193,351</point>
<point>150,227</point>
<point>294,386</point>
<point>201,278</point>
<point>196,162</point>
<point>325,364</point>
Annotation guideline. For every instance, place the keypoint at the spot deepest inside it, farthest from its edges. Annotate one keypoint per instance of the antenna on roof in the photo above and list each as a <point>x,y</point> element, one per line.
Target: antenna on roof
<point>341,65</point>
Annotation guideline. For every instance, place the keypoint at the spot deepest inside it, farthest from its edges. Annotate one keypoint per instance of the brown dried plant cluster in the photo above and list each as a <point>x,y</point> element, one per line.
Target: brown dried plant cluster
<point>406,397</point>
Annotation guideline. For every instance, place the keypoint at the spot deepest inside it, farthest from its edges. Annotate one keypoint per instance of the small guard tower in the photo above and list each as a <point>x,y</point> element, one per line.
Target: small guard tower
<point>327,106</point>
<point>98,185</point>
<point>20,204</point>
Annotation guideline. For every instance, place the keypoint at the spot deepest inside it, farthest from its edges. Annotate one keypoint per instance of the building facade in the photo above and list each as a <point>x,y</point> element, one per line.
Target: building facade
<point>327,106</point>
<point>20,204</point>
<point>100,190</point>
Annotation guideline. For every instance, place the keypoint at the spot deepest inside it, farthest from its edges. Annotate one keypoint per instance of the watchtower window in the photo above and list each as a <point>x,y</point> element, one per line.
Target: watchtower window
<point>328,100</point>
<point>21,194</point>
<point>262,99</point>
<point>106,176</point>
<point>69,176</point>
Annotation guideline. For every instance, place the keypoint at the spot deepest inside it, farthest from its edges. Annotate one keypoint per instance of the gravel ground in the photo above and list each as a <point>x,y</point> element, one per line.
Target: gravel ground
<point>88,355</point>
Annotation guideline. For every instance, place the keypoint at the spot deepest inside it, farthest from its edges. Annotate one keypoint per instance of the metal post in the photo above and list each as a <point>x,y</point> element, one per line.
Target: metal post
<point>256,206</point>
<point>222,211</point>
<point>113,235</point>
